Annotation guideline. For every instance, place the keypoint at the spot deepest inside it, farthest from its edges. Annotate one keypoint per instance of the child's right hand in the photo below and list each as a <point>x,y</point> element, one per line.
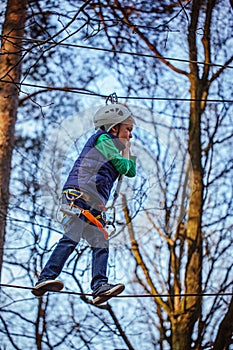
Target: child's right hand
<point>126,151</point>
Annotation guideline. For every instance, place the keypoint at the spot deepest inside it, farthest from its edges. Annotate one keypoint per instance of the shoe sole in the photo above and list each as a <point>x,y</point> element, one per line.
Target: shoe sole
<point>103,297</point>
<point>47,286</point>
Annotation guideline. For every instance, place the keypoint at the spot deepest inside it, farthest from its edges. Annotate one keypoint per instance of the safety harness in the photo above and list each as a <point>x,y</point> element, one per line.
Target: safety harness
<point>72,209</point>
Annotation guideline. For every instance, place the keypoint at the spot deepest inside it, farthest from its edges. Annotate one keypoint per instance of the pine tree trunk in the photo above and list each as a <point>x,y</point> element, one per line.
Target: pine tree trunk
<point>10,71</point>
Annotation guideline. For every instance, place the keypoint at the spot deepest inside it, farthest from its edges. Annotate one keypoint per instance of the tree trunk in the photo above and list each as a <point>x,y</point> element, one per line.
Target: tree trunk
<point>225,331</point>
<point>190,307</point>
<point>10,71</point>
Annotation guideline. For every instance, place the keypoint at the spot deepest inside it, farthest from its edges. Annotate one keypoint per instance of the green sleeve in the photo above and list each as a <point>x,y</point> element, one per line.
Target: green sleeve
<point>105,145</point>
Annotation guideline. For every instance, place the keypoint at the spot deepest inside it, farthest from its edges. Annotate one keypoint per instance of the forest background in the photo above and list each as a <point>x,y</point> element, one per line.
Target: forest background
<point>171,62</point>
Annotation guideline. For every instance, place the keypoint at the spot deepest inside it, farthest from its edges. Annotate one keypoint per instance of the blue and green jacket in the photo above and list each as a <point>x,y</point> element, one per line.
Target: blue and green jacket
<point>98,166</point>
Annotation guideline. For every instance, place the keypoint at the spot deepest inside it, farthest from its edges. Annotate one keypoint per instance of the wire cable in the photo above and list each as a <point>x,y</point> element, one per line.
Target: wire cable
<point>78,91</point>
<point>114,51</point>
<point>128,295</point>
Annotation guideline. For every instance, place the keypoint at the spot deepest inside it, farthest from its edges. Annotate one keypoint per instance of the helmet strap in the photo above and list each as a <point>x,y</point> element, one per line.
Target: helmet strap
<point>117,126</point>
<point>118,131</point>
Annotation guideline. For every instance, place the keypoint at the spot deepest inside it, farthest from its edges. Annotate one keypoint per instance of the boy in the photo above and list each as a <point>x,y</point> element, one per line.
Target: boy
<point>86,193</point>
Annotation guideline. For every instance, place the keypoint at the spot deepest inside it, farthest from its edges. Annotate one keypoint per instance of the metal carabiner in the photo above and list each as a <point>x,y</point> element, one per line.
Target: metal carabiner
<point>112,98</point>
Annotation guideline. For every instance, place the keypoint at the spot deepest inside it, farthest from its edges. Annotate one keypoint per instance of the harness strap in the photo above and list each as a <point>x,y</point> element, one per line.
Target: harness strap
<point>72,195</point>
<point>94,221</point>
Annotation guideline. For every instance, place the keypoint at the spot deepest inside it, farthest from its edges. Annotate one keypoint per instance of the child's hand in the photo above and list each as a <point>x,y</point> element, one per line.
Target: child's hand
<point>126,151</point>
<point>125,142</point>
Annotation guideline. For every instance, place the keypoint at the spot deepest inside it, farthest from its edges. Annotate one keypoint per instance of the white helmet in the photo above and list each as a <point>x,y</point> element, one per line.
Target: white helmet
<point>111,115</point>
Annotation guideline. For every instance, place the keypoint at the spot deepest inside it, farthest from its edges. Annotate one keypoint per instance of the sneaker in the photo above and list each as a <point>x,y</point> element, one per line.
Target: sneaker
<point>48,285</point>
<point>106,291</point>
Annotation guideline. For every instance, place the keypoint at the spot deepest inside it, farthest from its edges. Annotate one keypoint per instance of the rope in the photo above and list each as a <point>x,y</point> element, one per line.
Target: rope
<point>128,295</point>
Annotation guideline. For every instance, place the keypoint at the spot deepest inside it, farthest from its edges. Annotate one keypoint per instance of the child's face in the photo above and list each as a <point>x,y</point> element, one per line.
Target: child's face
<point>125,131</point>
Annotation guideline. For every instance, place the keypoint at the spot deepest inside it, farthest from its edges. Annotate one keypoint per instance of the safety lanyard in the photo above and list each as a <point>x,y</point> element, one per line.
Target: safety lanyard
<point>89,216</point>
<point>71,196</point>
